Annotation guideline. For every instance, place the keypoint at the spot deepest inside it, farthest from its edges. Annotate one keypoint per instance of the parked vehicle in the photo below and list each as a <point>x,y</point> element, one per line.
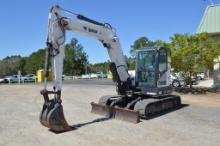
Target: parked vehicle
<point>201,76</point>
<point>101,75</point>
<point>177,81</point>
<point>65,77</point>
<point>93,75</point>
<point>15,78</point>
<point>29,78</point>
<point>3,80</point>
<point>85,76</point>
<point>12,79</point>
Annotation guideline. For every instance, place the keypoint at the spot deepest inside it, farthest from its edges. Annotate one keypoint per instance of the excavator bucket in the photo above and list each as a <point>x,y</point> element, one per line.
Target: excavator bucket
<point>52,116</point>
<point>115,112</point>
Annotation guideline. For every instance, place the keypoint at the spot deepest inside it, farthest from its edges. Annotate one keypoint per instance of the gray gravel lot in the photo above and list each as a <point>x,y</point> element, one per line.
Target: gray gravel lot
<point>195,125</point>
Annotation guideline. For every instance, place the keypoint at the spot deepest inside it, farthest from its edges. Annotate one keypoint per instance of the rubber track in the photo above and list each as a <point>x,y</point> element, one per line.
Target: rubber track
<point>150,107</point>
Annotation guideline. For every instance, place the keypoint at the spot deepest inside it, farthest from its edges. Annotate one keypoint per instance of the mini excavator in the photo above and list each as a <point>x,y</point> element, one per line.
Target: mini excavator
<point>149,93</point>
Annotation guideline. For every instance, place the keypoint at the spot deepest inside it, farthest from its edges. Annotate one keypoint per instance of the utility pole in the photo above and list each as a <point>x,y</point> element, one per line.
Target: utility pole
<point>19,77</point>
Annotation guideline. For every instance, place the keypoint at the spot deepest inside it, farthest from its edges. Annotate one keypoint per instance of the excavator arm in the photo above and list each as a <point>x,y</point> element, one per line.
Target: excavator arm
<point>103,32</point>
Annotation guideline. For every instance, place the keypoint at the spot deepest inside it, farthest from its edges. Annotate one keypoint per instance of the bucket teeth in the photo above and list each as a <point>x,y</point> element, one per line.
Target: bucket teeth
<point>52,116</point>
<point>115,112</point>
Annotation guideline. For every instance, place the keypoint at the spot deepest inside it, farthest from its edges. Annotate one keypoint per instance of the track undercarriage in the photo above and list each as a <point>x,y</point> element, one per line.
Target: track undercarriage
<point>132,108</point>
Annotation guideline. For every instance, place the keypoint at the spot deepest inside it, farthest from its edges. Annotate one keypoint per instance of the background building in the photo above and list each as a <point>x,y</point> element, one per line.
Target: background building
<point>210,23</point>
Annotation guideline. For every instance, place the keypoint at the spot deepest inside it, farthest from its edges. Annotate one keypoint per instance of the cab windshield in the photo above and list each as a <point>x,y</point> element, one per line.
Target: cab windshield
<point>146,67</point>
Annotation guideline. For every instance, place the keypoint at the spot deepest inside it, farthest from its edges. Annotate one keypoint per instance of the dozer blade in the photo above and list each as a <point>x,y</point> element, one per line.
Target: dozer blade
<point>52,116</point>
<point>126,115</point>
<point>103,110</point>
<point>115,112</point>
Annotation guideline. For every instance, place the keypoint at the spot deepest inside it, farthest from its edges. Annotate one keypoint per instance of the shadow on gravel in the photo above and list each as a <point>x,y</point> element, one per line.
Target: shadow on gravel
<point>91,122</point>
<point>59,132</point>
<point>76,126</point>
<point>167,111</point>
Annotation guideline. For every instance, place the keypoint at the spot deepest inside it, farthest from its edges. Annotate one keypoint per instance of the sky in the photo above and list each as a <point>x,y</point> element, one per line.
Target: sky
<point>23,26</point>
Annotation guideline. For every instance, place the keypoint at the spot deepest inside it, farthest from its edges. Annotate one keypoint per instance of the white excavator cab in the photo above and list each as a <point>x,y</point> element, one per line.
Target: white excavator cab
<point>153,71</point>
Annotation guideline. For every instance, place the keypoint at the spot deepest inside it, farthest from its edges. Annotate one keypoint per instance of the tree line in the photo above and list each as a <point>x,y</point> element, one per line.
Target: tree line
<point>74,63</point>
<point>189,54</point>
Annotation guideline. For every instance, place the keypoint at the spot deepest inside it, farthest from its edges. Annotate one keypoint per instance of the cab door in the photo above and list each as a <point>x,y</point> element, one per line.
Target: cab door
<point>163,68</point>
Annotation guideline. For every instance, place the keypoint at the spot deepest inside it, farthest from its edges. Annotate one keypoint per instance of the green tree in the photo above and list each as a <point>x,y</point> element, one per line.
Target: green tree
<point>10,65</point>
<point>76,59</point>
<point>210,51</point>
<point>74,62</point>
<point>35,61</point>
<point>142,43</point>
<point>186,52</point>
<point>100,67</point>
<point>131,63</point>
<point>68,61</point>
<point>22,64</point>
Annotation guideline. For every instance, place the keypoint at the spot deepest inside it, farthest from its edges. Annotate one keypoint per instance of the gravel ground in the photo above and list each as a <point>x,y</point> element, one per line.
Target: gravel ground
<point>197,124</point>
